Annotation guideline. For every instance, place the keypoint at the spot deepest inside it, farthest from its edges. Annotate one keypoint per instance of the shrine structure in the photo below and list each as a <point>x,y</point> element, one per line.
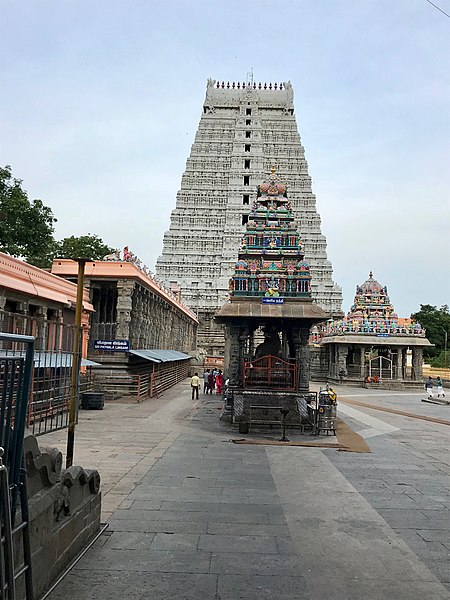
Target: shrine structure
<point>371,343</point>
<point>269,298</point>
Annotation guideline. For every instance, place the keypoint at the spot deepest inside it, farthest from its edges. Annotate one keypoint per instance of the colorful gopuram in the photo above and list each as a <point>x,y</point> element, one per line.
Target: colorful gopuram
<point>371,343</point>
<point>271,261</point>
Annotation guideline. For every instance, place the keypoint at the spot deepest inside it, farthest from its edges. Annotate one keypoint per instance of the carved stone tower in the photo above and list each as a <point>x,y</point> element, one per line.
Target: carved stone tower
<point>243,131</point>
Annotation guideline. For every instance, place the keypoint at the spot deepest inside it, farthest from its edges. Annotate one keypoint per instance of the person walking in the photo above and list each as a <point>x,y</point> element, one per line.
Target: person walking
<point>211,382</point>
<point>429,387</point>
<point>205,381</point>
<point>195,384</point>
<point>440,388</point>
<point>219,382</point>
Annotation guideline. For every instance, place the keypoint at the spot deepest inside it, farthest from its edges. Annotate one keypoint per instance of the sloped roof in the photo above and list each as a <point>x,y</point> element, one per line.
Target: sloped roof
<point>50,360</point>
<point>159,356</point>
<point>257,310</point>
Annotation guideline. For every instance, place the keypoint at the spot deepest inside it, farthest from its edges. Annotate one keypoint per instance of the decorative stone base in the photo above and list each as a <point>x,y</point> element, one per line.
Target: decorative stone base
<point>65,508</point>
<point>251,406</point>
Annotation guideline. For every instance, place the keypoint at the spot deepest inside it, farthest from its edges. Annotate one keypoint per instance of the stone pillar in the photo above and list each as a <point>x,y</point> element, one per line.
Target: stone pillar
<point>41,332</point>
<point>302,352</point>
<point>399,363</point>
<point>362,356</point>
<point>124,306</point>
<point>22,322</point>
<point>232,363</point>
<point>417,364</point>
<point>342,361</point>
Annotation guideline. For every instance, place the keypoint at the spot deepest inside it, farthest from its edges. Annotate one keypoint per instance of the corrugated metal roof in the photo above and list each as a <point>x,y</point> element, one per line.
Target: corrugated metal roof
<point>51,360</point>
<point>159,356</point>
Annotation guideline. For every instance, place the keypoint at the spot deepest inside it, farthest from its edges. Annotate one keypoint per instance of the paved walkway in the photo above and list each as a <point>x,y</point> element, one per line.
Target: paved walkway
<point>194,516</point>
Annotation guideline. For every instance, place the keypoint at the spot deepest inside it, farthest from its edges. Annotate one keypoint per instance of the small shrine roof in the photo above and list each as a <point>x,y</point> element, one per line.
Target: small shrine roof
<point>160,356</point>
<point>371,285</point>
<point>256,310</point>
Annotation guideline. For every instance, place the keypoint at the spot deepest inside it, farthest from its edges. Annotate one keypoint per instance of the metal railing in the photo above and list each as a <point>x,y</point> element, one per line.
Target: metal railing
<point>52,367</point>
<point>15,386</point>
<point>270,372</point>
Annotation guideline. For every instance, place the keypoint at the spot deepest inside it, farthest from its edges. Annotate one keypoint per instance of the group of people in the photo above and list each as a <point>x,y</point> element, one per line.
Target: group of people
<point>439,386</point>
<point>212,381</point>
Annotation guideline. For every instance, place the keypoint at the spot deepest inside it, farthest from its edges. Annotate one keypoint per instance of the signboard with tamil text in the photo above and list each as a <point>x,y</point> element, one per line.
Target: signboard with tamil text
<point>112,345</point>
<point>272,300</point>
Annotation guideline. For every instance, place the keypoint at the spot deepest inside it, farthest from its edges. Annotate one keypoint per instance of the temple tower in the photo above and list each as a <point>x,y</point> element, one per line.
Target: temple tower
<point>244,130</point>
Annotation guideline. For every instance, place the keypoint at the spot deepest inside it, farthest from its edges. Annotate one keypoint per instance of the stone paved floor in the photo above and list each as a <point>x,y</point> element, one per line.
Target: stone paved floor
<point>192,515</point>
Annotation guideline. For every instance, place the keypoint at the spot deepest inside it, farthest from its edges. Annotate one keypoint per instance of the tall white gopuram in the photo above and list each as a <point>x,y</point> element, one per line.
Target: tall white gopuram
<point>244,130</point>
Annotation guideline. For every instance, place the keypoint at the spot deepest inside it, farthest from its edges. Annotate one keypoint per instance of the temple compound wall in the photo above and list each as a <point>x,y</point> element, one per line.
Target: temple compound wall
<point>244,130</point>
<point>65,510</point>
<point>131,306</point>
<point>35,302</point>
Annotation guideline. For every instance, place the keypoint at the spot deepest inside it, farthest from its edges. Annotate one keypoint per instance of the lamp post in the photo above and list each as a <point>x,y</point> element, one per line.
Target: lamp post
<point>75,363</point>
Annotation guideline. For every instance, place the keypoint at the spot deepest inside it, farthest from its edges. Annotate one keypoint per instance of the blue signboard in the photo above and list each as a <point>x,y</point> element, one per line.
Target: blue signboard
<point>112,345</point>
<point>273,300</point>
<point>382,335</point>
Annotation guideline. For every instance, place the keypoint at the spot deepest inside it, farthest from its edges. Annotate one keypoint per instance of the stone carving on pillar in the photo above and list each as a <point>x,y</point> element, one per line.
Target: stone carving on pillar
<point>362,356</point>
<point>417,363</point>
<point>303,361</point>
<point>399,363</point>
<point>234,363</point>
<point>125,290</point>
<point>342,361</point>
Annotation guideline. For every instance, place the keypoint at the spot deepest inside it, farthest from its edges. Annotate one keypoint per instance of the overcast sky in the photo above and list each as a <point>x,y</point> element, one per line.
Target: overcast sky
<point>100,101</point>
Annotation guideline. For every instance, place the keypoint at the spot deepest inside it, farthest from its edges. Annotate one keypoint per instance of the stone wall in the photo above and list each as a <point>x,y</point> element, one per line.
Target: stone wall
<point>65,507</point>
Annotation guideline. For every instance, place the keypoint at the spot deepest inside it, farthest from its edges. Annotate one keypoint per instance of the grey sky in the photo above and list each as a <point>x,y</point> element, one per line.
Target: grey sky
<point>100,101</point>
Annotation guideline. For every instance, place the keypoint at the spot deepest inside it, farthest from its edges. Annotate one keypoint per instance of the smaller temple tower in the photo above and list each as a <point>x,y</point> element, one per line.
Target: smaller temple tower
<point>370,344</point>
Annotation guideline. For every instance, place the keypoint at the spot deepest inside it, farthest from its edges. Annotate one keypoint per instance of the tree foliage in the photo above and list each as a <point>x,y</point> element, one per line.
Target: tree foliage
<point>437,323</point>
<point>26,227</point>
<point>86,246</point>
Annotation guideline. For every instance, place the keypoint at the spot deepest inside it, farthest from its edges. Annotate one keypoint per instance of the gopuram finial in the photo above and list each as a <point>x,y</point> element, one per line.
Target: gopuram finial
<point>273,171</point>
<point>370,275</point>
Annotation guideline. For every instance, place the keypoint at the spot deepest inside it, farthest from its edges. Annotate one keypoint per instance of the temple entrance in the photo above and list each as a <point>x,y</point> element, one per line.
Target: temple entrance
<point>381,367</point>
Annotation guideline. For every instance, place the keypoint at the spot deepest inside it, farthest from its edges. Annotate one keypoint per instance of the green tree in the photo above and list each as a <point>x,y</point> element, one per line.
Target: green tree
<point>86,246</point>
<point>437,323</point>
<point>26,227</point>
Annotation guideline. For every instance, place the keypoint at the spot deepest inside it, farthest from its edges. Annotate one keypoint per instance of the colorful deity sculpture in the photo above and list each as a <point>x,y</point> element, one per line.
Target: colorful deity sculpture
<point>372,312</point>
<point>271,261</point>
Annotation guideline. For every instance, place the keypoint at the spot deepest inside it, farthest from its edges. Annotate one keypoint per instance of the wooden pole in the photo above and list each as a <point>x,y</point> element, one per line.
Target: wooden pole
<point>75,364</point>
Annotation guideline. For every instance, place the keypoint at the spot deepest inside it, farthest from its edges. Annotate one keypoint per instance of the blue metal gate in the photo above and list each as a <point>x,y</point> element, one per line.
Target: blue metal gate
<point>15,383</point>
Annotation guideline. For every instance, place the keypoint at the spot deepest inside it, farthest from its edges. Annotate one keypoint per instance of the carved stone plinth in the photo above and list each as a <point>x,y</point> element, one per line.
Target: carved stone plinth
<point>65,508</point>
